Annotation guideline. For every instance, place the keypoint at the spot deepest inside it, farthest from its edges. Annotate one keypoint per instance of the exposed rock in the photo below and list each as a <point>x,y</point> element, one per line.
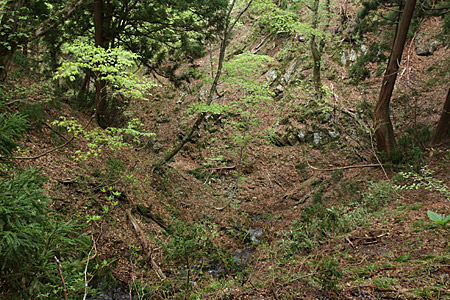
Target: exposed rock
<point>364,49</point>
<point>294,72</point>
<point>343,59</point>
<point>353,55</point>
<point>271,76</point>
<point>333,134</point>
<point>301,136</point>
<point>317,138</point>
<point>326,118</point>
<point>255,233</point>
<point>425,45</point>
<point>279,89</point>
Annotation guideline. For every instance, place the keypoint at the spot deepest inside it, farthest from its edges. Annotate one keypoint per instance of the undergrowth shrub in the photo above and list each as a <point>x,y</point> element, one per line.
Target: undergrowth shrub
<point>409,152</point>
<point>191,246</point>
<point>378,195</point>
<point>32,236</point>
<point>318,223</point>
<point>328,273</point>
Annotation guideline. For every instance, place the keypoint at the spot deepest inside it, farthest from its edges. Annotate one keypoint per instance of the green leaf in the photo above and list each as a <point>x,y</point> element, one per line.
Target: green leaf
<point>441,220</point>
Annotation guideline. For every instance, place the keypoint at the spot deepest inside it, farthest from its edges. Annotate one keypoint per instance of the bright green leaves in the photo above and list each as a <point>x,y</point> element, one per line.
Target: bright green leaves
<point>113,65</point>
<point>242,73</point>
<point>97,139</point>
<point>428,182</point>
<point>441,220</point>
<point>281,21</point>
<point>214,108</point>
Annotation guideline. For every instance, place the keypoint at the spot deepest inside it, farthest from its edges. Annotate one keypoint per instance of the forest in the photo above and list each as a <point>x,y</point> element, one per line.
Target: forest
<point>224,149</point>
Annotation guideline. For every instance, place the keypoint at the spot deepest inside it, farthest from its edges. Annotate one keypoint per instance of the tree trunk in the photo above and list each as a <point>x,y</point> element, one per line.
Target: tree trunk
<point>100,85</point>
<point>444,123</point>
<point>315,52</point>
<point>84,85</point>
<point>384,132</point>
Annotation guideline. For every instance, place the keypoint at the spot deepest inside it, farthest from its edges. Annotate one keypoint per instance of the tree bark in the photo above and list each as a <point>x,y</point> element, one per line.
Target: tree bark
<point>384,132</point>
<point>444,123</point>
<point>315,52</point>
<point>100,85</point>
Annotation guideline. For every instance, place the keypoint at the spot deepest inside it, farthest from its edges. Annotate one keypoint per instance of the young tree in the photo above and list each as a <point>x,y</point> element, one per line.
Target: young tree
<point>227,30</point>
<point>317,46</point>
<point>384,132</point>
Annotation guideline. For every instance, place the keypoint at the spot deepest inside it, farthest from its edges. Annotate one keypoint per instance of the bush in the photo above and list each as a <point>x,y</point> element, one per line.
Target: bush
<point>378,195</point>
<point>30,237</point>
<point>318,223</point>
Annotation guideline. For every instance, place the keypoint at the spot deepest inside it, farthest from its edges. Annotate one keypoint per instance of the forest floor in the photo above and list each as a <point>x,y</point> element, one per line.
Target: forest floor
<point>302,221</point>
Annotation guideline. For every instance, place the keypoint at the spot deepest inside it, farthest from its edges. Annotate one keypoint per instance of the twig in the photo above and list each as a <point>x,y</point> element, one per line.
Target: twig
<point>59,134</point>
<point>61,276</point>
<point>86,281</point>
<point>343,168</point>
<point>223,168</point>
<point>19,100</point>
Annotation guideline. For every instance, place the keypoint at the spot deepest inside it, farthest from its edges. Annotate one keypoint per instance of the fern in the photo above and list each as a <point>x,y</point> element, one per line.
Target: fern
<point>11,129</point>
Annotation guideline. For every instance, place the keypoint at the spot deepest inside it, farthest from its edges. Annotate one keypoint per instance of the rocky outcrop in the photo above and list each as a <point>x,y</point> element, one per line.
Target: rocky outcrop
<point>426,44</point>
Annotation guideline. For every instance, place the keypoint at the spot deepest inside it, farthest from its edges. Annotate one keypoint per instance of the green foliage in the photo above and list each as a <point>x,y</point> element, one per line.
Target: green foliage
<point>30,237</point>
<point>281,21</point>
<point>378,195</point>
<point>318,223</point>
<point>329,273</point>
<point>191,250</point>
<point>428,182</point>
<point>242,74</point>
<point>114,65</point>
<point>409,151</point>
<point>97,139</point>
<point>11,129</point>
<point>358,71</point>
<point>441,220</point>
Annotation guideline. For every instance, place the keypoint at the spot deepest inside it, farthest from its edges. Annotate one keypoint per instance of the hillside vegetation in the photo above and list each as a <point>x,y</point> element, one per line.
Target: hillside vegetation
<point>221,149</point>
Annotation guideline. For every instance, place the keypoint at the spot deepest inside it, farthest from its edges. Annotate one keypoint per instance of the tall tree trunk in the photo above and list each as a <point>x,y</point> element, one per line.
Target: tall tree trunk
<point>444,122</point>
<point>100,85</point>
<point>384,132</point>
<point>316,52</point>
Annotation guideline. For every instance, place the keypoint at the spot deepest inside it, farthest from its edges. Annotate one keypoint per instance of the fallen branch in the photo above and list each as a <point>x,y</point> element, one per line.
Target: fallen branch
<point>346,167</point>
<point>61,276</point>
<point>222,168</point>
<point>145,245</point>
